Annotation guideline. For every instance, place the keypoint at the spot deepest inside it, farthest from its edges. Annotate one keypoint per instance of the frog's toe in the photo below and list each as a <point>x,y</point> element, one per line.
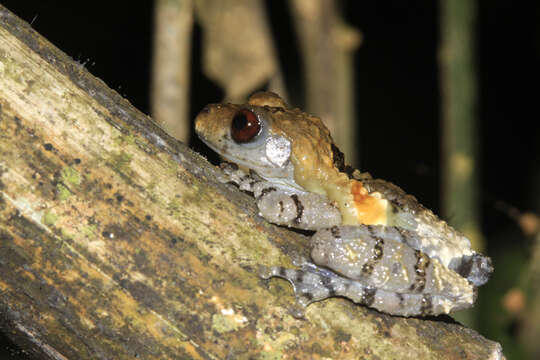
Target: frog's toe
<point>306,284</point>
<point>476,268</point>
<point>265,272</point>
<point>299,260</point>
<point>228,168</point>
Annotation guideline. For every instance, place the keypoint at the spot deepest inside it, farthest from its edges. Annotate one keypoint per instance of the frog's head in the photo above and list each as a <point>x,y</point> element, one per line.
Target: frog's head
<point>244,134</point>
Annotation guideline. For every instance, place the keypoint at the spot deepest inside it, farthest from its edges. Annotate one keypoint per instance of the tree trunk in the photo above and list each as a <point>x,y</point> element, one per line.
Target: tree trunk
<point>116,241</point>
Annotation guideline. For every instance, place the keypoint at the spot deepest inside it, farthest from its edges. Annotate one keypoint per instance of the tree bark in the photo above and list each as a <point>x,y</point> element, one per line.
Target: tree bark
<point>116,241</point>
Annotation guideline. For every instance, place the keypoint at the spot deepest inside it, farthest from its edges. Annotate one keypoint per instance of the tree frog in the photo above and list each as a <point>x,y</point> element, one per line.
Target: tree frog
<point>373,243</point>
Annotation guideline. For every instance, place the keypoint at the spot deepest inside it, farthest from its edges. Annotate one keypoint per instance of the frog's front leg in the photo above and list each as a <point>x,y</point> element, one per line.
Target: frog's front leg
<point>373,266</point>
<point>284,205</point>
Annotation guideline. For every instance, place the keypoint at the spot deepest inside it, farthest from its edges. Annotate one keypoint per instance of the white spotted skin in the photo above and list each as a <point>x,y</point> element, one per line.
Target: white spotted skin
<point>374,244</point>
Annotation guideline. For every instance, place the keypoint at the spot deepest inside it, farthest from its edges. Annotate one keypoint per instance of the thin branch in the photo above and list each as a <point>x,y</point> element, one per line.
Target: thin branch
<point>171,66</point>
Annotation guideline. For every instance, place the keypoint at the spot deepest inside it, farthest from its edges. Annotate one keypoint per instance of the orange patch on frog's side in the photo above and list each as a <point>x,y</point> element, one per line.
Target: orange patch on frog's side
<point>371,211</point>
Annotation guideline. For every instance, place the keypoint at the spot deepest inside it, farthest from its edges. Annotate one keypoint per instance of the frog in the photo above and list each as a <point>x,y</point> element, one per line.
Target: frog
<point>372,243</point>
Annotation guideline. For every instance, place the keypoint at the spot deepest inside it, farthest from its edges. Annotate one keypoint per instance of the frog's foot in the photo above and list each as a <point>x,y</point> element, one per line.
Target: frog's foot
<point>476,268</point>
<point>231,173</point>
<point>249,182</point>
<point>305,292</point>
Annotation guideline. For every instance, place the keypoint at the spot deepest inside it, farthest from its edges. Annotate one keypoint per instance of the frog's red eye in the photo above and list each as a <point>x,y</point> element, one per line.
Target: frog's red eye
<point>245,126</point>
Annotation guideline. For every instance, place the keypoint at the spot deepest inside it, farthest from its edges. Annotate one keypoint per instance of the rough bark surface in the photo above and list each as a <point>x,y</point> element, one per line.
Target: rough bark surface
<point>116,242</point>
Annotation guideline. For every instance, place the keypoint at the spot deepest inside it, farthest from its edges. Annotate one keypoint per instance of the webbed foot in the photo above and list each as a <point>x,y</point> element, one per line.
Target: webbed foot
<point>310,284</point>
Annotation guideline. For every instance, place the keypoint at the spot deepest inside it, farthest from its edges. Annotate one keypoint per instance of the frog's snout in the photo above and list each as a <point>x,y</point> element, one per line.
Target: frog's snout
<point>202,119</point>
<point>213,122</point>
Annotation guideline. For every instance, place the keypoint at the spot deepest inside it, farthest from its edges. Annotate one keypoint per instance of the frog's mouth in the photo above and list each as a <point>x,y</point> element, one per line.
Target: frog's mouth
<point>228,156</point>
<point>280,175</point>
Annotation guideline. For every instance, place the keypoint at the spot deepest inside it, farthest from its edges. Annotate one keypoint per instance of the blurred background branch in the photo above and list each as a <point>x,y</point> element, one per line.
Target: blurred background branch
<point>238,51</point>
<point>459,136</point>
<point>531,313</point>
<point>170,95</point>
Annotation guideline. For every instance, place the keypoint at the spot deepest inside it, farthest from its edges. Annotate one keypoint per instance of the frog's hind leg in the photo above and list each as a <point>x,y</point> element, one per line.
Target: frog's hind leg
<point>313,283</point>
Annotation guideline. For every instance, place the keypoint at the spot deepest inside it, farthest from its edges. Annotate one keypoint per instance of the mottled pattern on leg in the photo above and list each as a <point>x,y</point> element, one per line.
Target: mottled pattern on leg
<point>296,209</point>
<point>394,266</point>
<point>282,205</point>
<point>420,268</point>
<point>431,234</point>
<point>313,283</point>
<point>234,175</point>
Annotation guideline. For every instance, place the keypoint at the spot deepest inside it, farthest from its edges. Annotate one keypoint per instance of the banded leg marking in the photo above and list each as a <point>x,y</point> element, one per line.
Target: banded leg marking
<point>422,263</point>
<point>378,252</point>
<point>313,284</point>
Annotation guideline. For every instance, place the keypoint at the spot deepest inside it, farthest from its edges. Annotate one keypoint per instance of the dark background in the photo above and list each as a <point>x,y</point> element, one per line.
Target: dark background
<point>397,102</point>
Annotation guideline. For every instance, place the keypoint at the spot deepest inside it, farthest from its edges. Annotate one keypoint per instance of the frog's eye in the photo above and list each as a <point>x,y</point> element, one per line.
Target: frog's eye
<point>245,126</point>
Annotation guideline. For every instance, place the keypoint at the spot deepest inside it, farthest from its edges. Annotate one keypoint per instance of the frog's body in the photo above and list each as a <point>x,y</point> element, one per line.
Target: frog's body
<point>374,244</point>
